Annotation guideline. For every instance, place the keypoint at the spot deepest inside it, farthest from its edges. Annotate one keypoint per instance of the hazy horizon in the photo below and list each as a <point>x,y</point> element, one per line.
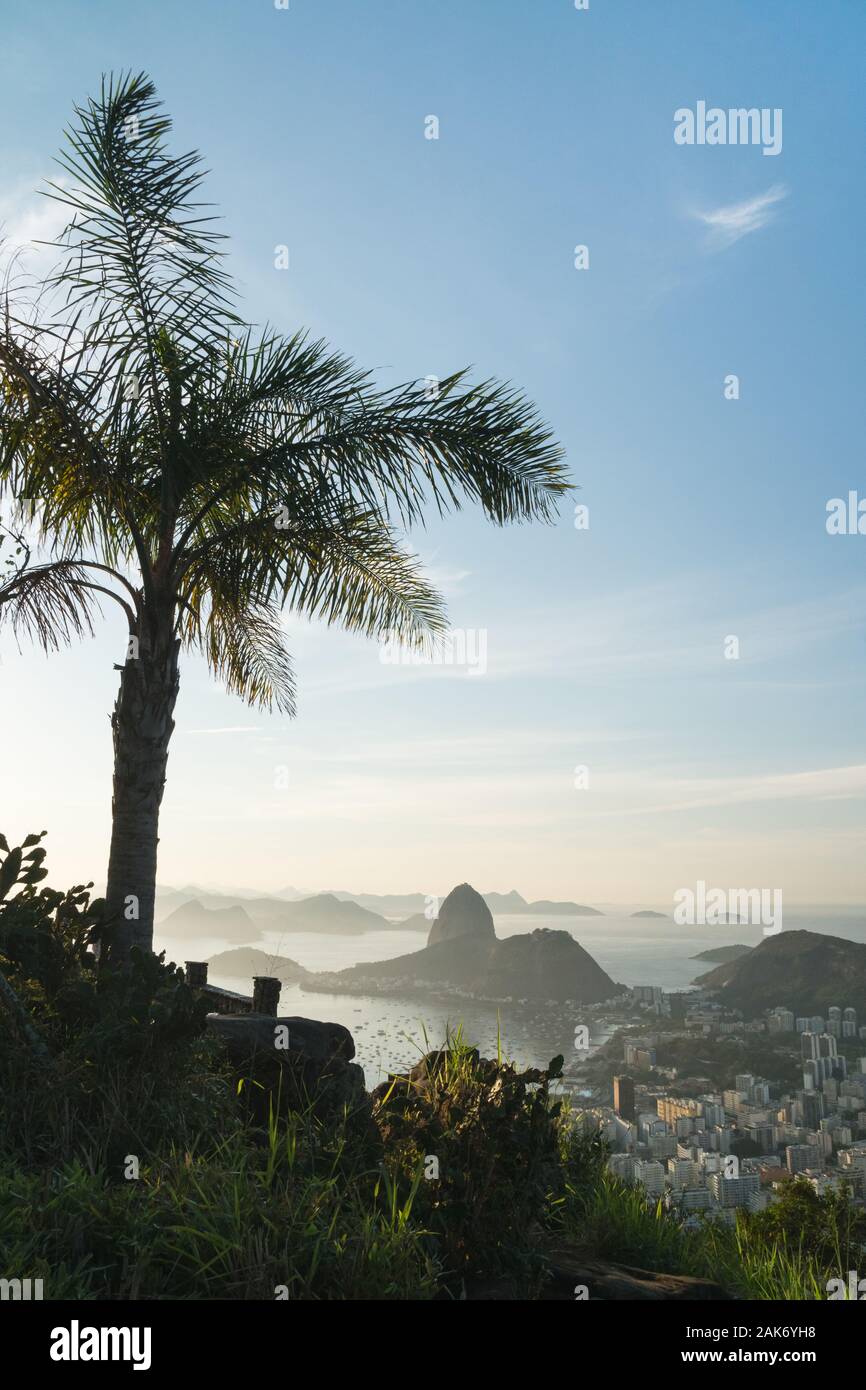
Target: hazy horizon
<point>618,907</point>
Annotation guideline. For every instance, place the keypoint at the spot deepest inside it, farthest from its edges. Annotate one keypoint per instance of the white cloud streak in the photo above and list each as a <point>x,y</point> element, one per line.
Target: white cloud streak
<point>727,225</point>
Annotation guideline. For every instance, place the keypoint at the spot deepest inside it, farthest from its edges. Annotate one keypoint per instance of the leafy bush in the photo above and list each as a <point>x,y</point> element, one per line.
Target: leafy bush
<point>826,1229</point>
<point>789,1251</point>
<point>49,952</point>
<point>476,1145</point>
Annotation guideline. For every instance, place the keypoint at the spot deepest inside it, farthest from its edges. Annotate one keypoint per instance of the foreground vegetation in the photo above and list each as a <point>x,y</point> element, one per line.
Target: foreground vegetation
<point>790,1251</point>
<point>128,1169</point>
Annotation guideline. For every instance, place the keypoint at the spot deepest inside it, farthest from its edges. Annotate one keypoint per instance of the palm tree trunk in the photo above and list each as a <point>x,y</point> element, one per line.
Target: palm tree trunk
<point>142,726</point>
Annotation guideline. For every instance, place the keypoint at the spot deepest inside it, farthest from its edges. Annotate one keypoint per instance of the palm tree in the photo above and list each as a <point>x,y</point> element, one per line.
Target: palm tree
<point>203,477</point>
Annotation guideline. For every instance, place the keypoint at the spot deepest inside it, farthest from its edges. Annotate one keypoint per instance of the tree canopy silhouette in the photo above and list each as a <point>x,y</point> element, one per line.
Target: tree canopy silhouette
<point>204,476</point>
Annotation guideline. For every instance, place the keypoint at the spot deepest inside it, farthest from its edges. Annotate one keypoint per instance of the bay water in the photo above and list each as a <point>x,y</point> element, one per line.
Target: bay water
<point>391,1032</point>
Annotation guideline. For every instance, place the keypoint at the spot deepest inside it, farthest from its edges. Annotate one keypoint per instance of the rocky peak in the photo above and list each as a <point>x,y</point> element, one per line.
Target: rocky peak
<point>463,913</point>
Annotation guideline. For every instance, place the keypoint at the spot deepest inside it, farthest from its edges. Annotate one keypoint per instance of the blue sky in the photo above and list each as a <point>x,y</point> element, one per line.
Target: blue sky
<point>707,516</point>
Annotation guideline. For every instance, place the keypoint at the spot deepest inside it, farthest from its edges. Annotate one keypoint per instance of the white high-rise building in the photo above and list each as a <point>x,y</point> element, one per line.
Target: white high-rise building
<point>651,1176</point>
<point>682,1173</point>
<point>734,1192</point>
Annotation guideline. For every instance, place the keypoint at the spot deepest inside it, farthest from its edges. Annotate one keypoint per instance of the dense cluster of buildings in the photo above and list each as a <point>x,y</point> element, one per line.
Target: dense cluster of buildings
<point>720,1151</point>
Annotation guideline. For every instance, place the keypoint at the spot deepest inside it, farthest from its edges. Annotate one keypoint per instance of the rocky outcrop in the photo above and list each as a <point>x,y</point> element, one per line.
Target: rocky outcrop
<point>465,957</point>
<point>544,964</point>
<point>247,961</point>
<point>252,1034</point>
<point>570,1275</point>
<point>464,913</point>
<point>291,1064</point>
<point>616,1282</point>
<point>722,955</point>
<point>800,970</point>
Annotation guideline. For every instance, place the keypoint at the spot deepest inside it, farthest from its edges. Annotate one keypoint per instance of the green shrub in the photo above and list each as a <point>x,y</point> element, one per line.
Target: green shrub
<point>789,1251</point>
<point>475,1144</point>
<point>49,953</point>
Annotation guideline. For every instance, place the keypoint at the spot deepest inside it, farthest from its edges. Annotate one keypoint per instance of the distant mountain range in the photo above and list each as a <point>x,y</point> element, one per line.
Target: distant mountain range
<point>396,905</point>
<point>505,903</point>
<point>799,970</point>
<point>324,913</point>
<point>227,923</point>
<point>244,923</point>
<point>169,898</point>
<point>413,905</point>
<point>462,952</point>
<point>179,910</point>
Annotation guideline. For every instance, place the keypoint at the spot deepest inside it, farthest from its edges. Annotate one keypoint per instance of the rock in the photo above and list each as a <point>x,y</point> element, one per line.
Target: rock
<point>291,1063</point>
<point>463,913</point>
<point>567,1270</point>
<point>614,1282</point>
<point>244,1034</point>
<point>417,1078</point>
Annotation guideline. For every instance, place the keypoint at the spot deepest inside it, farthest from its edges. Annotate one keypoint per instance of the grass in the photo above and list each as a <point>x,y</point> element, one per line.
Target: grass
<point>220,1227</point>
<point>139,1178</point>
<point>607,1220</point>
<point>214,1209</point>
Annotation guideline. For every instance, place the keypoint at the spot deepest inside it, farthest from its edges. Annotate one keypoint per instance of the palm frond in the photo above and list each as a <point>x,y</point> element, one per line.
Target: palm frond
<point>343,566</point>
<point>140,252</point>
<point>245,648</point>
<point>49,604</point>
<point>307,412</point>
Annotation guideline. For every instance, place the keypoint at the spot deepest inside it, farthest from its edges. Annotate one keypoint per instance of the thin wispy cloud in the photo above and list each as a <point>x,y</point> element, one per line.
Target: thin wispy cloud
<point>229,729</point>
<point>726,225</point>
<point>28,220</point>
<point>638,794</point>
